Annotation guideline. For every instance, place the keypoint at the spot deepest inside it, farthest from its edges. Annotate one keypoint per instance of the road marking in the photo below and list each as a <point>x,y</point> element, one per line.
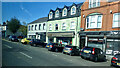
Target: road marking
<point>26,55</point>
<point>8,46</point>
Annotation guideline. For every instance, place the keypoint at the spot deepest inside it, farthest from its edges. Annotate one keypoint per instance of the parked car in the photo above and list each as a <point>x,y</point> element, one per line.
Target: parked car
<point>20,37</point>
<point>115,61</point>
<point>13,38</point>
<point>56,47</point>
<point>36,42</point>
<point>94,54</point>
<point>71,50</point>
<point>48,45</point>
<point>25,41</point>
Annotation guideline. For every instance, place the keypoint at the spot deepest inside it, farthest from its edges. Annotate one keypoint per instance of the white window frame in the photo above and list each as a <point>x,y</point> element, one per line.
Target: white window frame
<point>116,21</point>
<point>88,23</point>
<point>91,3</point>
<point>57,15</point>
<point>64,26</point>
<point>73,11</point>
<point>64,12</point>
<point>71,25</point>
<point>29,28</point>
<point>44,26</point>
<point>58,26</point>
<point>50,15</point>
<point>50,26</point>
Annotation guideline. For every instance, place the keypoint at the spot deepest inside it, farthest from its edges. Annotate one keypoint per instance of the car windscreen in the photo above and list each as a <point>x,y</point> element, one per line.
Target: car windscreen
<point>13,36</point>
<point>28,39</point>
<point>68,46</point>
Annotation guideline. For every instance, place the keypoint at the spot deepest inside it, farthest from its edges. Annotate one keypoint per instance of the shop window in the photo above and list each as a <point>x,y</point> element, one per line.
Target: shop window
<point>72,26</point>
<point>116,20</point>
<point>94,21</point>
<point>113,46</point>
<point>73,10</point>
<point>63,26</point>
<point>56,27</point>
<point>94,3</point>
<point>57,14</point>
<point>50,26</point>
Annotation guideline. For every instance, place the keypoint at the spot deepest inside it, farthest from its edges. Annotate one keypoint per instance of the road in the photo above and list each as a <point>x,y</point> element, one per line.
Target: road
<point>17,54</point>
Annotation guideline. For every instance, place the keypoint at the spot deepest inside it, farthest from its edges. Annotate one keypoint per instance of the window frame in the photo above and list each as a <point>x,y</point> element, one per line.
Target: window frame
<point>35,27</point>
<point>117,21</point>
<point>64,26</point>
<point>71,25</point>
<point>72,10</point>
<point>57,15</point>
<point>88,22</point>
<point>57,26</point>
<point>94,2</point>
<point>44,26</point>
<point>63,12</point>
<point>39,26</point>
<point>50,27</point>
<point>50,15</point>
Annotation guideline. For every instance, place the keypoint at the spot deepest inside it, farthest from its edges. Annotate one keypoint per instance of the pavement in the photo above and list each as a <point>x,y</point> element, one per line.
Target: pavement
<point>17,54</point>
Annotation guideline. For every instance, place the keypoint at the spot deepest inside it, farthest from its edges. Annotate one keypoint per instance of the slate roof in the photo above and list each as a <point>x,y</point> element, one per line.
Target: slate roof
<point>78,12</point>
<point>40,20</point>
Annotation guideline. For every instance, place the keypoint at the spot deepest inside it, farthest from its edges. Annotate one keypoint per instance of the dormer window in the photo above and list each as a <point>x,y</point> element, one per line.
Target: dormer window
<point>64,12</point>
<point>50,15</point>
<point>57,14</point>
<point>73,10</point>
<point>94,3</point>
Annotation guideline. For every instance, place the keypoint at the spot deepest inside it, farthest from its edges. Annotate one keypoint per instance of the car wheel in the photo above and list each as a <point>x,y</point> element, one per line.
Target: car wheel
<point>63,52</point>
<point>96,59</point>
<point>34,45</point>
<point>56,50</point>
<point>82,57</point>
<point>71,54</point>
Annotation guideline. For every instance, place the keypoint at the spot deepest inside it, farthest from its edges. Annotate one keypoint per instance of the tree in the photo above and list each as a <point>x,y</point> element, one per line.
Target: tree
<point>13,25</point>
<point>23,29</point>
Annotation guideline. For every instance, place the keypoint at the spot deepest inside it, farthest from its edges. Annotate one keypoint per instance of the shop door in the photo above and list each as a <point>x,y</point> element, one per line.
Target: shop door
<point>82,42</point>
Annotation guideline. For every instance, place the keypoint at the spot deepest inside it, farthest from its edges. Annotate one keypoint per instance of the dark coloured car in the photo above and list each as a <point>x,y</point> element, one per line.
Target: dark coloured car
<point>56,47</point>
<point>71,50</point>
<point>13,38</point>
<point>94,54</point>
<point>36,42</point>
<point>115,61</point>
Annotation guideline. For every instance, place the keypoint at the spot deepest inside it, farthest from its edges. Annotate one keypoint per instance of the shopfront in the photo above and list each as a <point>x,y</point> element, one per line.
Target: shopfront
<point>61,37</point>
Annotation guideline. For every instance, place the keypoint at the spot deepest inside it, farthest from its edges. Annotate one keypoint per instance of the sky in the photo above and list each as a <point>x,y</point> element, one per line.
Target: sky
<point>30,11</point>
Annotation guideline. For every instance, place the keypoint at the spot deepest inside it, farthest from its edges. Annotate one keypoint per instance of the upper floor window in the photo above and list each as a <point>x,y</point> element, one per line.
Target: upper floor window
<point>94,21</point>
<point>56,26</point>
<point>29,28</point>
<point>35,27</point>
<point>73,10</point>
<point>50,15</point>
<point>64,12</point>
<point>39,26</point>
<point>44,26</point>
<point>50,26</point>
<point>72,26</point>
<point>32,27</point>
<point>57,14</point>
<point>116,20</point>
<point>63,26</point>
<point>94,3</point>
